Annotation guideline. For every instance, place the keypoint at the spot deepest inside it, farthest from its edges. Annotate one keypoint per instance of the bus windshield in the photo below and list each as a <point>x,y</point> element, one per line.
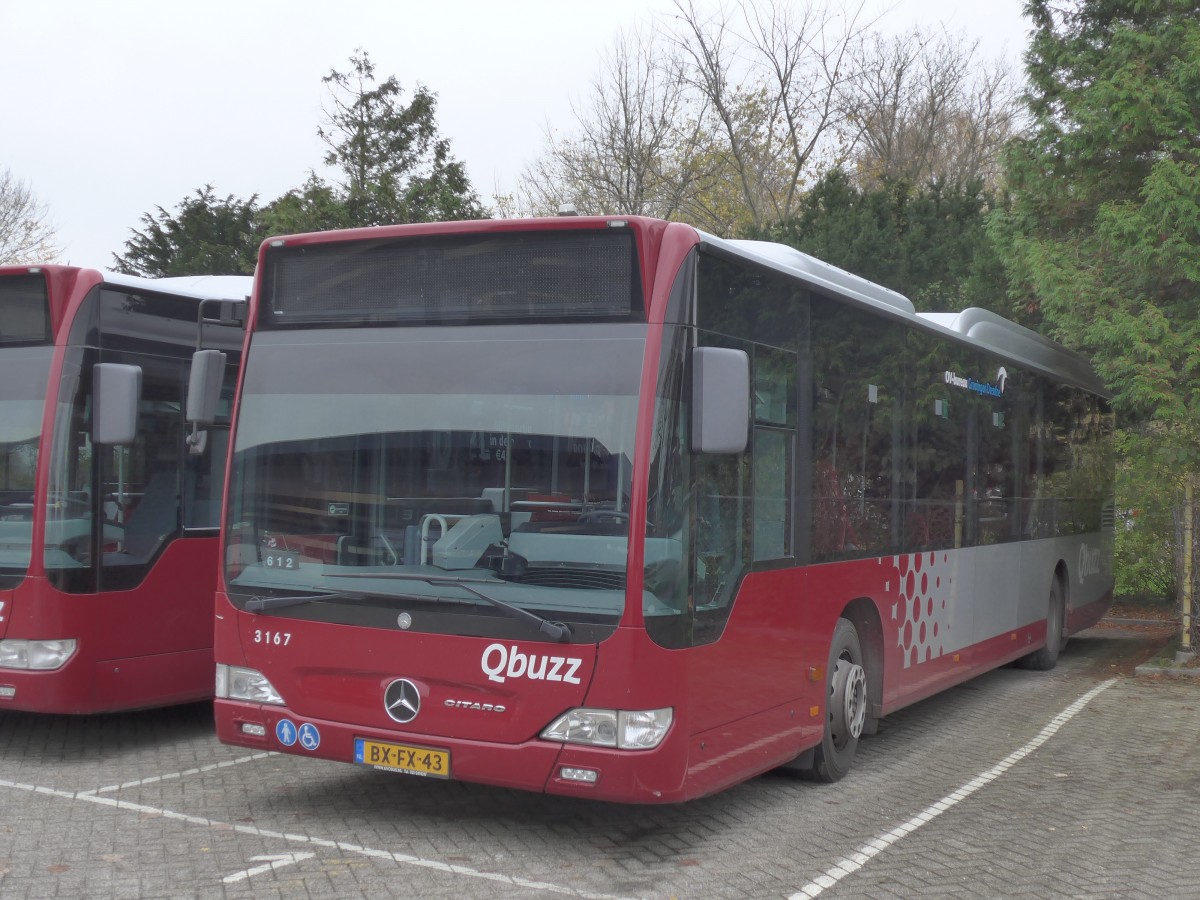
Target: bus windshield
<point>23,377</point>
<point>399,478</point>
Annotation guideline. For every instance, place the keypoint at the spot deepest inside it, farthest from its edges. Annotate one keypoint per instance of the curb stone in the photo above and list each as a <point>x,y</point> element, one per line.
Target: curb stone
<point>1168,670</point>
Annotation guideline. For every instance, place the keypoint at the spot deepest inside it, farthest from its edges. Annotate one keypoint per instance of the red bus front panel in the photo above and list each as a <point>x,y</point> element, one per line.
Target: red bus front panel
<point>140,648</point>
<point>482,702</point>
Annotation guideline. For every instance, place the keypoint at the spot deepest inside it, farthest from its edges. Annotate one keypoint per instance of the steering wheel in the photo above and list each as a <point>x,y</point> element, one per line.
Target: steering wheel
<point>604,517</point>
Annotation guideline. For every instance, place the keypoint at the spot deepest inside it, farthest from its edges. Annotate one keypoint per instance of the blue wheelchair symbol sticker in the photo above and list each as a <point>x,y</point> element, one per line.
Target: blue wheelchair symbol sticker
<point>310,738</point>
<point>285,732</point>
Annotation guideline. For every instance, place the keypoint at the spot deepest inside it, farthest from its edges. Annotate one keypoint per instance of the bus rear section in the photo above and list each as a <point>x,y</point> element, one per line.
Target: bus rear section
<point>611,508</point>
<point>108,517</point>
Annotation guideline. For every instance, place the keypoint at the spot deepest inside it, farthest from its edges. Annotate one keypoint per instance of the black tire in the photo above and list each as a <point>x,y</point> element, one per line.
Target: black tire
<point>845,706</point>
<point>1046,658</point>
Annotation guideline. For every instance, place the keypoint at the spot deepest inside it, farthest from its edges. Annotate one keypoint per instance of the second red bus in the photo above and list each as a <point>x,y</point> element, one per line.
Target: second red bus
<point>108,540</point>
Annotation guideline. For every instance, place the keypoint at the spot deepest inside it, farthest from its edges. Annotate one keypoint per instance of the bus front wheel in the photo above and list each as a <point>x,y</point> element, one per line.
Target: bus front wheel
<point>846,706</point>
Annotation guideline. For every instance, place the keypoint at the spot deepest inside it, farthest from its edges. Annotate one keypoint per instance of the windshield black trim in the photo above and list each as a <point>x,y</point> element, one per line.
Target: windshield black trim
<point>556,631</point>
<point>425,614</point>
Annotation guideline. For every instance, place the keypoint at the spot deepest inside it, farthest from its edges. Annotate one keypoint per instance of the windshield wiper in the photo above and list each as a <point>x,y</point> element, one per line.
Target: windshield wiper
<point>556,631</point>
<point>258,603</point>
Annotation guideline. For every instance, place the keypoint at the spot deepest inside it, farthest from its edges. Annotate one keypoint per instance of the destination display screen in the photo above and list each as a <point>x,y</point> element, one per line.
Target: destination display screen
<point>589,274</point>
<point>24,310</point>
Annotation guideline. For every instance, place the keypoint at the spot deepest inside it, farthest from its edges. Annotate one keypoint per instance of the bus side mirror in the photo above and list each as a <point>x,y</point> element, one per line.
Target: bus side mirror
<point>116,390</point>
<point>720,400</point>
<point>204,386</point>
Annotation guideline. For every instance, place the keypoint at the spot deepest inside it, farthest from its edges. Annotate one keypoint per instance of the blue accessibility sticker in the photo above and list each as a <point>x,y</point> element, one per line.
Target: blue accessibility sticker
<point>310,738</point>
<point>285,732</point>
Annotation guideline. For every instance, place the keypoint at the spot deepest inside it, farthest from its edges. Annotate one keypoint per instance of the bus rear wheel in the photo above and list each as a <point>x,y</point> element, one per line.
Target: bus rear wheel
<point>1047,657</point>
<point>846,706</point>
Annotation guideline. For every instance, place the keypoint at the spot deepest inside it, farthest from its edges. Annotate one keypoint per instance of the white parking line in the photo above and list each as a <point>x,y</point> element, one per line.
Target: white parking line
<point>399,858</point>
<point>272,863</point>
<point>174,775</point>
<point>870,850</point>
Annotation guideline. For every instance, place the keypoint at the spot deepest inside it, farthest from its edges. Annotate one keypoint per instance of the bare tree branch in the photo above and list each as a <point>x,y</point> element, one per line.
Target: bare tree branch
<point>924,111</point>
<point>634,142</point>
<point>724,115</point>
<point>719,118</point>
<point>772,87</point>
<point>25,234</point>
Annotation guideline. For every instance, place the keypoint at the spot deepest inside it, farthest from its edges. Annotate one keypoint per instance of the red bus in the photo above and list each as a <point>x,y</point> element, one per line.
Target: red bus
<point>108,515</point>
<point>611,508</point>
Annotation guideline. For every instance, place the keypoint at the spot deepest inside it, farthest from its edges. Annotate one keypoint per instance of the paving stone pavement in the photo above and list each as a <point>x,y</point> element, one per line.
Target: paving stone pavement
<point>149,805</point>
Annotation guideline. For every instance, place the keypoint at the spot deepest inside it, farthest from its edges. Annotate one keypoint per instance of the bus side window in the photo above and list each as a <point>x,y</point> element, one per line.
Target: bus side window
<point>723,492</point>
<point>204,471</point>
<point>144,479</point>
<point>155,516</point>
<point>773,451</point>
<point>721,507</point>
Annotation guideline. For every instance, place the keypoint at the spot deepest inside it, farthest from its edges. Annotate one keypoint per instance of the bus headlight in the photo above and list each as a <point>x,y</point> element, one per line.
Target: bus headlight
<point>40,655</point>
<point>641,729</point>
<point>237,683</point>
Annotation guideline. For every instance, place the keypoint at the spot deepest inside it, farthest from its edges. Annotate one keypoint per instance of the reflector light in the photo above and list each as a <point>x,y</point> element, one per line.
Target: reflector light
<point>7,692</point>
<point>587,776</point>
<point>254,729</point>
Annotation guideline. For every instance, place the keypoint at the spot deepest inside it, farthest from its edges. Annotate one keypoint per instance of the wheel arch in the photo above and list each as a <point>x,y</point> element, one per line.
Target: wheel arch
<point>863,614</point>
<point>1062,577</point>
<point>1062,574</point>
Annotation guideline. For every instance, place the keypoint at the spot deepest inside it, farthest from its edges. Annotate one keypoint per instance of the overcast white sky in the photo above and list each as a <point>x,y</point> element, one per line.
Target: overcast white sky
<point>110,108</point>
